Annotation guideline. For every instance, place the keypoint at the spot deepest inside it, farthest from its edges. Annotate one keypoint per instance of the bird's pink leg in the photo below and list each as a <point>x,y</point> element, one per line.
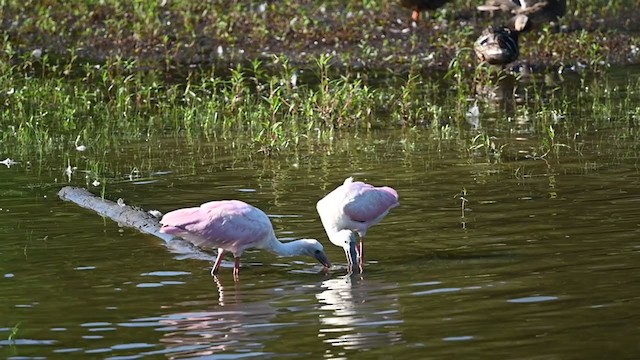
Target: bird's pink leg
<point>236,269</point>
<point>361,257</point>
<point>216,265</point>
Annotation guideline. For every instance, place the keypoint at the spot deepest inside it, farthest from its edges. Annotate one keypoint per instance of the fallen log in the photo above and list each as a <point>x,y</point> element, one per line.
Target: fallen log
<point>125,215</point>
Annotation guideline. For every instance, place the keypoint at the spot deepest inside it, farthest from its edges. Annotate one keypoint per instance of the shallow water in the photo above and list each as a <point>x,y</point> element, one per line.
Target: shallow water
<point>541,262</point>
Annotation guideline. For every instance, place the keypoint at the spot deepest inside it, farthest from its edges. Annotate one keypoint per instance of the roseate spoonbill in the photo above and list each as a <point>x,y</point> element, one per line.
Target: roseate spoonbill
<point>234,226</point>
<point>499,45</point>
<point>421,5</point>
<point>352,208</point>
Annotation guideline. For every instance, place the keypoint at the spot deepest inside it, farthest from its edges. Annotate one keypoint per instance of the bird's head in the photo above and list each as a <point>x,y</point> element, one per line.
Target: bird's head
<point>520,23</point>
<point>313,248</point>
<point>348,241</point>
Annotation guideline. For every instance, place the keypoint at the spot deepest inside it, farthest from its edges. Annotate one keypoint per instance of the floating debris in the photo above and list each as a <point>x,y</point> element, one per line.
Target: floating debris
<point>473,116</point>
<point>79,147</point>
<point>8,162</point>
<point>557,116</point>
<point>68,171</point>
<point>36,53</point>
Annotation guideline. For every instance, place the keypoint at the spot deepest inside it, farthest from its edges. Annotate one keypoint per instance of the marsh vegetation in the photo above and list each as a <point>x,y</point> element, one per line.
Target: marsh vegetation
<point>516,185</point>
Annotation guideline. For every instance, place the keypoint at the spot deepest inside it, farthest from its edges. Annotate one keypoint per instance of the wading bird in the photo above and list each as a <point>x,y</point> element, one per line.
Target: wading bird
<point>352,208</point>
<point>234,226</point>
<point>417,6</point>
<point>499,45</point>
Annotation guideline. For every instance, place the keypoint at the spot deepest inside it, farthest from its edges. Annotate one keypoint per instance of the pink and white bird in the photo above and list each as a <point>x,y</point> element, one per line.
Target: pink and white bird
<point>234,226</point>
<point>352,208</point>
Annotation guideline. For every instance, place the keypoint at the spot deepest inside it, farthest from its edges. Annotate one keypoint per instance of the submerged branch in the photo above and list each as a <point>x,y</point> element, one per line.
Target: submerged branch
<point>126,216</point>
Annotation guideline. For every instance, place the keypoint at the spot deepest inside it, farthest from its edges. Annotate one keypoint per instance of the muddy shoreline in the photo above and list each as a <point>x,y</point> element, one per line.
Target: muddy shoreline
<point>357,37</point>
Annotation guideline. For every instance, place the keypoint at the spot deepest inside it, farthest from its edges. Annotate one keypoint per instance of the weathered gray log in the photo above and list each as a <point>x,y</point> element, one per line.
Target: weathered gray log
<point>127,216</point>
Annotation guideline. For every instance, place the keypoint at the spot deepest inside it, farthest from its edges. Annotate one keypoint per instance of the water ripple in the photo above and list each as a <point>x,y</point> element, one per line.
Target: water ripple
<point>532,299</point>
<point>436,291</point>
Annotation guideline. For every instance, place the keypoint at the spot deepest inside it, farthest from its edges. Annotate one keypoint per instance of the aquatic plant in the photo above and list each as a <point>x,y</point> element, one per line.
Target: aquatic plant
<point>13,333</point>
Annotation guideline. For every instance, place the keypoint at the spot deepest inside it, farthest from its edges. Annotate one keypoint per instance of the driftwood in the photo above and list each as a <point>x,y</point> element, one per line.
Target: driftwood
<point>126,215</point>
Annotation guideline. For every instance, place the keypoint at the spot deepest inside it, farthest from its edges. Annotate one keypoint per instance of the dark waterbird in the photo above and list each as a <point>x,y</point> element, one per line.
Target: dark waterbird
<point>417,6</point>
<point>537,10</point>
<point>499,45</point>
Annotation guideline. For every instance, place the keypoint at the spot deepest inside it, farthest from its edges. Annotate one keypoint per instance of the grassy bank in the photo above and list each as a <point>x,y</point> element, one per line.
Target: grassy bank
<point>48,103</point>
<point>105,73</point>
<point>359,34</point>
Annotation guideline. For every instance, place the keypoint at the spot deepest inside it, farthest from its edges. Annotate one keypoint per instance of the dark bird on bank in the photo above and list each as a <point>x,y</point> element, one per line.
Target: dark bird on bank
<point>417,6</point>
<point>499,45</point>
<point>536,10</point>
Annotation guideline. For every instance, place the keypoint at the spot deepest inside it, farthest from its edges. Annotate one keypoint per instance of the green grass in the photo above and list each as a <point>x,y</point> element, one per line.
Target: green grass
<point>49,106</point>
<point>110,73</point>
<point>174,35</point>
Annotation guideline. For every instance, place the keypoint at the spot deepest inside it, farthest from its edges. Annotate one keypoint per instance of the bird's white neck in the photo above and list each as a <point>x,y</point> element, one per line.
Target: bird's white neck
<point>328,220</point>
<point>340,238</point>
<point>291,248</point>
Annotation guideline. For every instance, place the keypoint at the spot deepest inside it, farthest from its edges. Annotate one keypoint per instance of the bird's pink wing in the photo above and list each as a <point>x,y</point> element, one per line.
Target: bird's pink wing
<point>366,203</point>
<point>231,225</point>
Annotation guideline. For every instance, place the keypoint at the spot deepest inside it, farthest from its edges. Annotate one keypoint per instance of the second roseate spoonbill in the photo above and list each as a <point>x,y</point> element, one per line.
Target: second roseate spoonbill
<point>234,226</point>
<point>352,208</point>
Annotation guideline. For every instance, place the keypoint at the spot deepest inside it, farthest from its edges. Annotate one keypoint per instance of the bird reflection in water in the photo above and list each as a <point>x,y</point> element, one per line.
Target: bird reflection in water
<point>359,314</point>
<point>500,93</point>
<point>230,325</point>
